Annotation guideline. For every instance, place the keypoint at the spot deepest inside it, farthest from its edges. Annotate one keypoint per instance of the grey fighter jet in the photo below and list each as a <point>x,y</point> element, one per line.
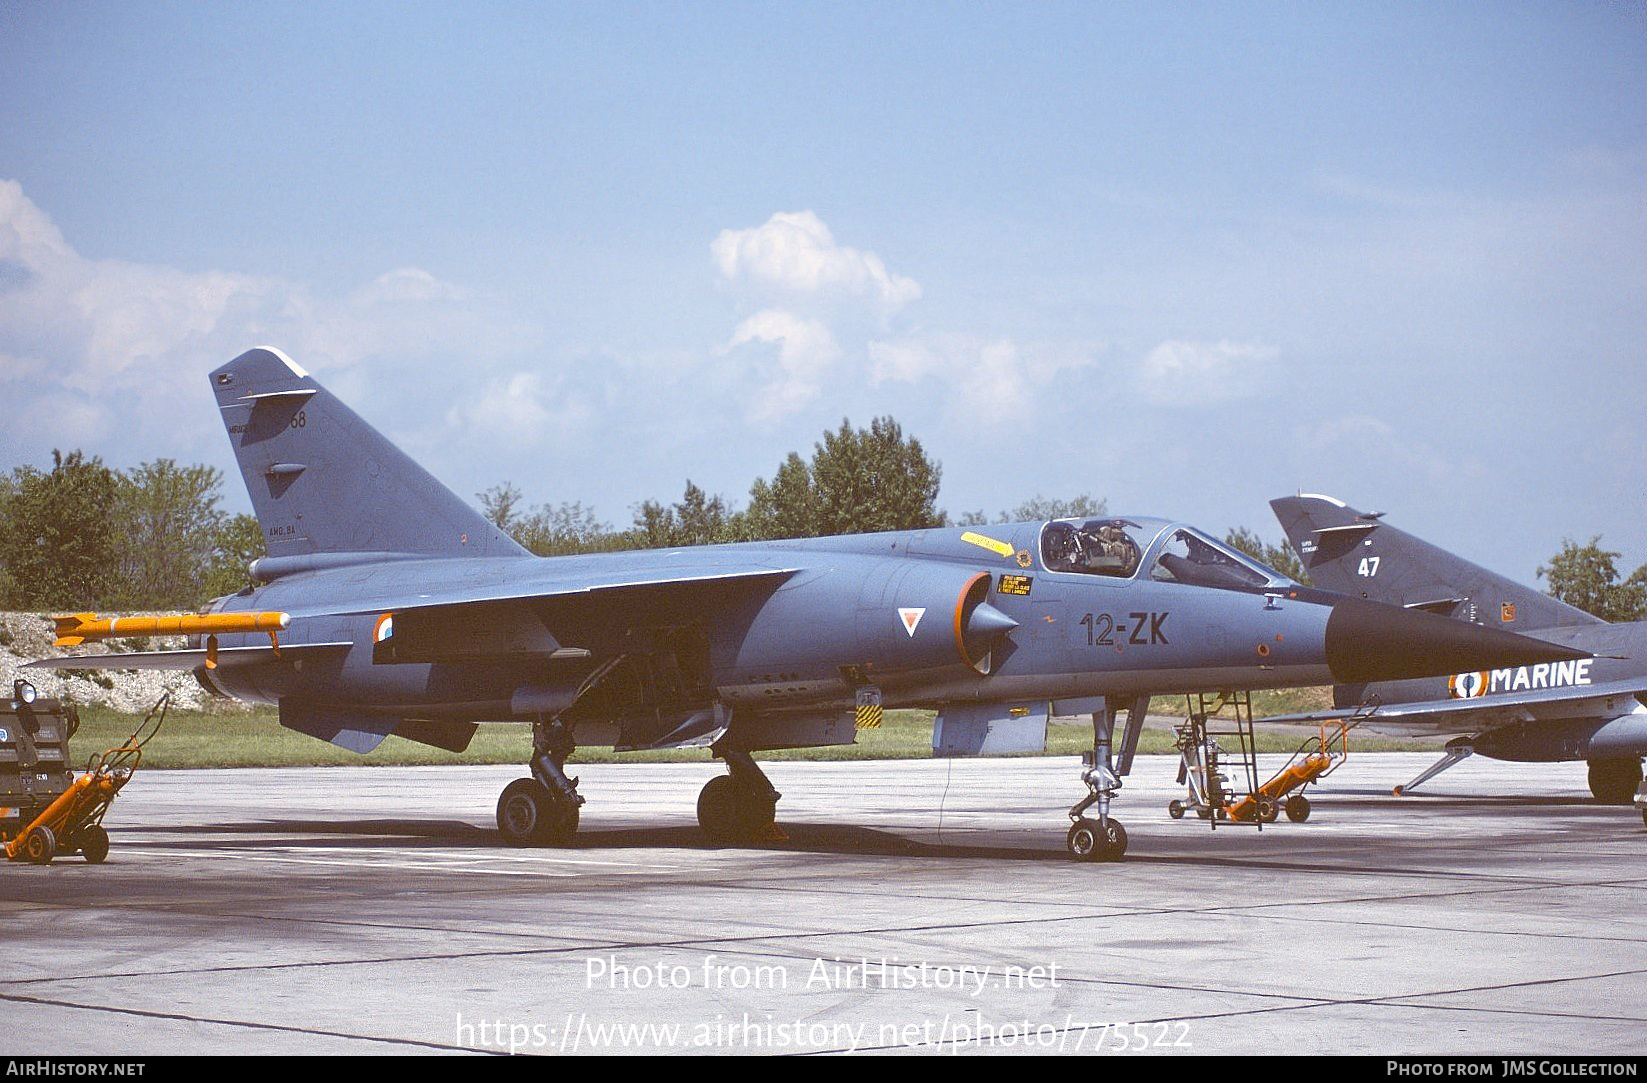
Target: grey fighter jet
<point>1592,708</point>
<point>400,609</point>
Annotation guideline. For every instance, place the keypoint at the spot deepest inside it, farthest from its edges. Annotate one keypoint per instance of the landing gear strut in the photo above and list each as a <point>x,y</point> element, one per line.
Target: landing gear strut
<point>741,805</point>
<point>1458,750</point>
<point>1104,839</point>
<point>543,809</point>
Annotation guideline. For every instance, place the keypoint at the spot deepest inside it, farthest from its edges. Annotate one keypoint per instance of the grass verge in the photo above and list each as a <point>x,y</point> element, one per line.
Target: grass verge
<point>238,738</point>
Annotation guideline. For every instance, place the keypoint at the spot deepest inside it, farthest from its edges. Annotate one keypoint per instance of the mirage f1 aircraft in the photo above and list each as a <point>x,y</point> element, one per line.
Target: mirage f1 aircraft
<point>388,605</point>
<point>1591,708</point>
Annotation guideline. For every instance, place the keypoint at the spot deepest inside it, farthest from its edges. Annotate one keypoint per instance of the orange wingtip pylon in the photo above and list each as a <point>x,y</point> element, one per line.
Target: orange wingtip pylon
<point>77,628</point>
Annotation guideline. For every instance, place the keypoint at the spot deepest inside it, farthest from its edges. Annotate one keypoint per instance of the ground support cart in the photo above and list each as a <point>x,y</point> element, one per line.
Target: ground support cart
<point>34,757</point>
<point>73,821</point>
<point>1218,765</point>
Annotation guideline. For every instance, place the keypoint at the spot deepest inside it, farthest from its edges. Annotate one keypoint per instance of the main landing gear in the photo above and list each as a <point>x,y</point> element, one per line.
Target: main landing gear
<point>741,805</point>
<point>737,807</point>
<point>543,809</point>
<point>1614,782</point>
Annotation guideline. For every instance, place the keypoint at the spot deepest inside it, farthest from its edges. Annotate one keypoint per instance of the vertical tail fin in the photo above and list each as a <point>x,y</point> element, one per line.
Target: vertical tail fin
<point>323,481</point>
<point>1350,552</point>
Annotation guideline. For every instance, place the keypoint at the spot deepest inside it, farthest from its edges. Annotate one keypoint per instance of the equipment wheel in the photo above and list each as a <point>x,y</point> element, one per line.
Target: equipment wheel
<point>1614,782</point>
<point>1175,809</point>
<point>1088,840</point>
<point>40,845</point>
<point>94,844</point>
<point>1268,810</point>
<point>528,814</point>
<point>728,812</point>
<point>1298,808</point>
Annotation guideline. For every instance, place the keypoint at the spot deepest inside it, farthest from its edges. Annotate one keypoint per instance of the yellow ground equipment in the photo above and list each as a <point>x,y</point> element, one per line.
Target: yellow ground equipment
<point>1207,765</point>
<point>73,822</point>
<point>1316,757</point>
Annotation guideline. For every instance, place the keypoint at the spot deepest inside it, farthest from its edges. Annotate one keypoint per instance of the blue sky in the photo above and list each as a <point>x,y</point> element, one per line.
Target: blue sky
<point>1185,257</point>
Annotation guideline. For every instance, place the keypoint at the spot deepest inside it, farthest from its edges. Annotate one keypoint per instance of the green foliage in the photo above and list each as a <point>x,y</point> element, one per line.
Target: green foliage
<point>234,737</point>
<point>859,481</point>
<point>698,519</point>
<point>1584,576</point>
<point>1038,508</point>
<point>56,542</point>
<point>167,533</point>
<point>564,529</point>
<point>237,542</point>
<point>87,537</point>
<point>1280,557</point>
<point>786,506</point>
<point>498,505</point>
<point>549,531</point>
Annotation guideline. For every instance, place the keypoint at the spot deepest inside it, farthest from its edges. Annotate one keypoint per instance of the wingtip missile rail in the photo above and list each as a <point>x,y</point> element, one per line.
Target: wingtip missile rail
<point>76,628</point>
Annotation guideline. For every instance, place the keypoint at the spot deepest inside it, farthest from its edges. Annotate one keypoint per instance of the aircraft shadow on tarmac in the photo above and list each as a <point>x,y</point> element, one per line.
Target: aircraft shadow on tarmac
<point>1365,797</point>
<point>445,834</point>
<point>850,840</point>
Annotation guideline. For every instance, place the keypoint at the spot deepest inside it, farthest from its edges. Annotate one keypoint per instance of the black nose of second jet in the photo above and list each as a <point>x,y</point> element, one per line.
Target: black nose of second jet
<point>1368,641</point>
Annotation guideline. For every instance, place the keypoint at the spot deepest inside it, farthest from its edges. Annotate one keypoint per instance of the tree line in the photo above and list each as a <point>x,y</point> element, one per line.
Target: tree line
<point>85,536</point>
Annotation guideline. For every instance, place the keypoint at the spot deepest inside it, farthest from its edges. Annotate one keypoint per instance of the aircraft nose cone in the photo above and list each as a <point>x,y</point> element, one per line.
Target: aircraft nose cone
<point>1367,641</point>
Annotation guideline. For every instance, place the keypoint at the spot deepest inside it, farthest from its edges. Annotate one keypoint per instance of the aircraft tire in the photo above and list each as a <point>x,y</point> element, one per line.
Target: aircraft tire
<point>1088,840</point>
<point>40,845</point>
<point>529,815</point>
<point>729,813</point>
<point>1298,808</point>
<point>561,824</point>
<point>94,844</point>
<point>1614,782</point>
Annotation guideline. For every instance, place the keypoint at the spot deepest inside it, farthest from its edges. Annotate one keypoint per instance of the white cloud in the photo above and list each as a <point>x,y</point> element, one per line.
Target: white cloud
<point>407,284</point>
<point>996,377</point>
<point>100,326</point>
<point>806,351</point>
<point>123,346</point>
<point>795,252</point>
<point>517,410</point>
<point>1367,452</point>
<point>1179,373</point>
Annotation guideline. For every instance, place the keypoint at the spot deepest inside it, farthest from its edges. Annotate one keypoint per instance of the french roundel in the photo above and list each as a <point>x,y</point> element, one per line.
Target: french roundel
<point>1468,685</point>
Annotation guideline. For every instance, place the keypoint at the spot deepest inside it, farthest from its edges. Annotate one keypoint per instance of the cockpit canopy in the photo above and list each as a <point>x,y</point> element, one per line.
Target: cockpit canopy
<point>1169,553</point>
